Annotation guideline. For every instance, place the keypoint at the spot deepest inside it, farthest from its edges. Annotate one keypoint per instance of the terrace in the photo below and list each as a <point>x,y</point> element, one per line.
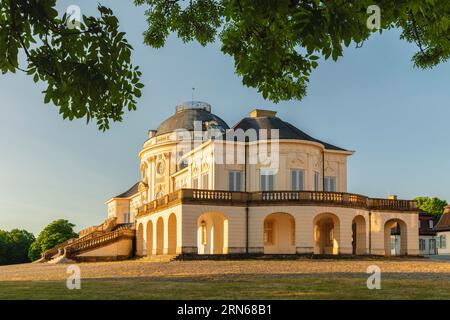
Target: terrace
<point>267,198</point>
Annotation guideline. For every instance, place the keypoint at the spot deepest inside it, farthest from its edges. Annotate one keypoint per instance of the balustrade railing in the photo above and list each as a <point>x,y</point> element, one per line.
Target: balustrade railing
<point>319,197</point>
<point>212,195</point>
<point>84,244</point>
<point>95,238</point>
<point>279,196</point>
<point>392,204</point>
<point>53,251</point>
<point>107,225</point>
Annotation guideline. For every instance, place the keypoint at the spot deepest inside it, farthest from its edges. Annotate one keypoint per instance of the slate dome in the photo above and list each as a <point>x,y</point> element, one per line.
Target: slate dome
<point>187,113</point>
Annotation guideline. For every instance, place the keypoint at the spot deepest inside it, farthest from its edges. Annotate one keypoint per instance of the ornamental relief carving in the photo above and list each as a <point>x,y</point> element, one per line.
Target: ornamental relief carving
<point>205,165</point>
<point>297,163</point>
<point>160,167</point>
<point>235,167</point>
<point>195,166</point>
<point>142,186</point>
<point>317,162</point>
<point>160,188</point>
<point>331,167</point>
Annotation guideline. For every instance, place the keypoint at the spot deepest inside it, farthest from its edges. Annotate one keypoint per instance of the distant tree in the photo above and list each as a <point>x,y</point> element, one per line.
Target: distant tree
<point>14,246</point>
<point>434,206</point>
<point>3,247</point>
<point>19,244</point>
<point>55,233</point>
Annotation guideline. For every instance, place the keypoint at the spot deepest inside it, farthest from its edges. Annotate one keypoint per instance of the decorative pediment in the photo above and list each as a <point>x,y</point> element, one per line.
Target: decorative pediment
<point>297,162</point>
<point>330,167</point>
<point>162,156</point>
<point>329,170</point>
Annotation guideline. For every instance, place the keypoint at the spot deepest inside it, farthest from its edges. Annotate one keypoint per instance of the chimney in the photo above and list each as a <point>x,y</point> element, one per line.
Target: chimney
<point>392,197</point>
<point>262,113</point>
<point>151,133</point>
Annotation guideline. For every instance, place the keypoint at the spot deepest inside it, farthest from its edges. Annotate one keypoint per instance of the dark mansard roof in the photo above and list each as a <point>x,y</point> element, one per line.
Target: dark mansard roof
<point>185,116</point>
<point>286,130</point>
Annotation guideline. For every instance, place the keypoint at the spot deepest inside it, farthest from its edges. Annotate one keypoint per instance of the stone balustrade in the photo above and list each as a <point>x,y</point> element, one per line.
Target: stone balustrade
<point>96,237</point>
<point>106,226</point>
<point>199,196</point>
<point>98,241</point>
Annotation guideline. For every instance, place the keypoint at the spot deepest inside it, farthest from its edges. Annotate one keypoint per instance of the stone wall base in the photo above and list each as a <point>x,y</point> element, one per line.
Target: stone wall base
<point>100,259</point>
<point>189,250</point>
<point>305,250</point>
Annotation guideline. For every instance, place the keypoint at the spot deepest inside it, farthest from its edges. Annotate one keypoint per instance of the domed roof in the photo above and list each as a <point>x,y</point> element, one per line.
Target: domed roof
<point>189,112</point>
<point>265,119</point>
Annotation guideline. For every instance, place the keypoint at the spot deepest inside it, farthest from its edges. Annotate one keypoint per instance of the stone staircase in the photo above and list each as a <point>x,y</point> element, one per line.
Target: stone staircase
<point>73,248</point>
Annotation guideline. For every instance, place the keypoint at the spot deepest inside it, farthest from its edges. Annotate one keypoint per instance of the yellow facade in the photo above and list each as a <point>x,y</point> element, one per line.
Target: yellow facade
<point>171,220</point>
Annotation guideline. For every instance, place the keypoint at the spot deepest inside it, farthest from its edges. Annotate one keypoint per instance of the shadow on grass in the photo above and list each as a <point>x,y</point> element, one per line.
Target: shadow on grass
<point>274,286</point>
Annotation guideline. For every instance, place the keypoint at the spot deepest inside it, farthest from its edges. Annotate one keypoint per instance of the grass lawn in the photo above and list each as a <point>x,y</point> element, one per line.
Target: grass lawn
<point>280,279</point>
<point>254,287</point>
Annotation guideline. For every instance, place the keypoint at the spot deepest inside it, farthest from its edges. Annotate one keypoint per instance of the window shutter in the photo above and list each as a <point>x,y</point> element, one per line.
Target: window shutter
<point>301,178</point>
<point>294,181</point>
<point>316,181</point>
<point>262,181</point>
<point>271,182</point>
<point>205,184</point>
<point>231,181</point>
<point>333,184</point>
<point>238,181</point>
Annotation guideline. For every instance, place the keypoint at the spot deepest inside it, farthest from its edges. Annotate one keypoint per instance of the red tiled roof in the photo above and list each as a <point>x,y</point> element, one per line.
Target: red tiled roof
<point>444,222</point>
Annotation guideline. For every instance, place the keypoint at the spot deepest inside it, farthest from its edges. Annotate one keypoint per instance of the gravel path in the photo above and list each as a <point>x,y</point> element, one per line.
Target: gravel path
<point>424,269</point>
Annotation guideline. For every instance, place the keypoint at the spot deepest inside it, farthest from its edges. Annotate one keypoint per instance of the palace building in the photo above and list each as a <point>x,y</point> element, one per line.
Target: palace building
<point>261,187</point>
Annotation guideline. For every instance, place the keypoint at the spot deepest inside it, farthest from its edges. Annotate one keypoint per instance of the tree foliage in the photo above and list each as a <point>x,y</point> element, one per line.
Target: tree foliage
<point>277,44</point>
<point>55,233</point>
<point>14,246</point>
<point>434,206</point>
<point>87,71</point>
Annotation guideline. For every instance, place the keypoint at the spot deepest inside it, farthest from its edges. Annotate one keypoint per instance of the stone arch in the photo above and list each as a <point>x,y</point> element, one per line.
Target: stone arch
<point>359,235</point>
<point>395,238</point>
<point>326,234</point>
<point>279,233</point>
<point>212,233</point>
<point>140,240</point>
<point>159,236</point>
<point>149,238</point>
<point>172,234</point>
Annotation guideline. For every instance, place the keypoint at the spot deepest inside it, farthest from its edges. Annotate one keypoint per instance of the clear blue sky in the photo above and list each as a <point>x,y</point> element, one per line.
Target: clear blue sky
<point>372,101</point>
